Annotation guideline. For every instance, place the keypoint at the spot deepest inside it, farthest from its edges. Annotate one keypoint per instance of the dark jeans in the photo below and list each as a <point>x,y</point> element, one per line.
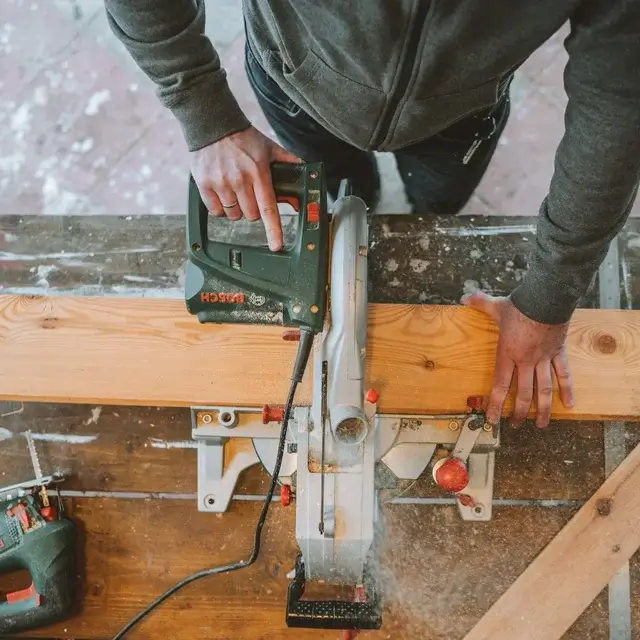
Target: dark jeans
<point>435,176</point>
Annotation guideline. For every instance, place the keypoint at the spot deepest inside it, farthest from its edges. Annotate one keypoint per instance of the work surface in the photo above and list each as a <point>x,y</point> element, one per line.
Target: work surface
<point>133,469</point>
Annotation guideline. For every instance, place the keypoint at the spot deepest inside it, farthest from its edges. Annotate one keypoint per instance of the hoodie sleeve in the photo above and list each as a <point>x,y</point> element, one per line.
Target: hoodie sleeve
<point>597,164</point>
<point>166,39</point>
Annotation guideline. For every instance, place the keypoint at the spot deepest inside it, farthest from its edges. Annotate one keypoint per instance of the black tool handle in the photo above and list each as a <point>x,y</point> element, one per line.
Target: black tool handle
<point>330,614</point>
<point>48,553</point>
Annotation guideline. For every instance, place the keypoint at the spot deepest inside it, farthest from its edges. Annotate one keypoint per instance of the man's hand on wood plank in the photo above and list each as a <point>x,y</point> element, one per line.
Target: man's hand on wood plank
<point>528,350</point>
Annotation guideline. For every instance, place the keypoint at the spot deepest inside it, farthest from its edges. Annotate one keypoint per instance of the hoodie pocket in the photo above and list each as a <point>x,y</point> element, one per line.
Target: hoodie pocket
<point>422,118</point>
<point>345,107</point>
<point>267,88</point>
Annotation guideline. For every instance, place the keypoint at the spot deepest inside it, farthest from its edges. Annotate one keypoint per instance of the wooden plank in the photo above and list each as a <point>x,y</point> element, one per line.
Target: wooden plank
<point>574,568</point>
<point>152,352</point>
<point>436,586</point>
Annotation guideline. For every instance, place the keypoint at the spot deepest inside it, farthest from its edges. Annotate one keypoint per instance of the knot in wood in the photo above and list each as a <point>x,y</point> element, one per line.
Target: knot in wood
<point>603,506</point>
<point>606,343</point>
<point>430,365</point>
<point>49,323</point>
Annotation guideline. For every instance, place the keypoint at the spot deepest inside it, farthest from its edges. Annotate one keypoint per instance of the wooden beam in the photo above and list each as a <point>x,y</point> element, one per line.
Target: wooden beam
<point>574,568</point>
<point>152,352</point>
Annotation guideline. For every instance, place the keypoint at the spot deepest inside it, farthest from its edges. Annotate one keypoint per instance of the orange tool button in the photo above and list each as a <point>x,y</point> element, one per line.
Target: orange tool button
<point>313,212</point>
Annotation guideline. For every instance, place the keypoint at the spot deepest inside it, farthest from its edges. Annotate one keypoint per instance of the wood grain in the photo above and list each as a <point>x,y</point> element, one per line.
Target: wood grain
<point>152,352</point>
<point>574,568</point>
<point>436,586</point>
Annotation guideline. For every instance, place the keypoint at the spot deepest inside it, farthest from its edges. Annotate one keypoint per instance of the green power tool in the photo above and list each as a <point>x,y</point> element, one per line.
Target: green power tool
<point>232,283</point>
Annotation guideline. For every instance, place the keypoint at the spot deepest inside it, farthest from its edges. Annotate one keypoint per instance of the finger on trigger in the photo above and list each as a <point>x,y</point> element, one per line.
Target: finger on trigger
<point>268,207</point>
<point>500,388</point>
<point>544,393</point>
<point>524,395</point>
<point>565,382</point>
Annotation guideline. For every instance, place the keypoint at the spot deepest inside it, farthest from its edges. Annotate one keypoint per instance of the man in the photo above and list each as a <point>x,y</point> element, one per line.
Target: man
<point>429,81</point>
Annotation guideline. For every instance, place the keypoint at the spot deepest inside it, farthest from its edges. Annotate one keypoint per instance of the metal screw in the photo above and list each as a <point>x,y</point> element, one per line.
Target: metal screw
<point>488,427</point>
<point>210,500</point>
<point>454,425</point>
<point>362,251</point>
<point>314,308</point>
<point>311,246</point>
<point>297,308</point>
<point>207,418</point>
<point>478,509</point>
<point>313,174</point>
<point>292,447</point>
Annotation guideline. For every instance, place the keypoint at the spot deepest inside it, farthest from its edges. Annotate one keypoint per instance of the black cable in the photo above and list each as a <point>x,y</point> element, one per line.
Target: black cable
<point>302,357</point>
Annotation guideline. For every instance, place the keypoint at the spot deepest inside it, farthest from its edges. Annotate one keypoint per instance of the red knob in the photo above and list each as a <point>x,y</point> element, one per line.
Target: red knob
<point>49,513</point>
<point>475,402</point>
<point>372,396</point>
<point>451,474</point>
<point>285,495</point>
<point>272,414</point>
<point>291,335</point>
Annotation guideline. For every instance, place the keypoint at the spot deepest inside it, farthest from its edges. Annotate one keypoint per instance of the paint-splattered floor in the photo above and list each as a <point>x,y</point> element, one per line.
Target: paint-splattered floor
<point>82,131</point>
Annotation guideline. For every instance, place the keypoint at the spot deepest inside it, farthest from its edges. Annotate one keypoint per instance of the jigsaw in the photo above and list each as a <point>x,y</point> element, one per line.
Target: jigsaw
<point>35,535</point>
<point>340,450</point>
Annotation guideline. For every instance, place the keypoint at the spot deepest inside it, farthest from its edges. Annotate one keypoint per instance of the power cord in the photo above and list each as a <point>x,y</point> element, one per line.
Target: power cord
<point>302,357</point>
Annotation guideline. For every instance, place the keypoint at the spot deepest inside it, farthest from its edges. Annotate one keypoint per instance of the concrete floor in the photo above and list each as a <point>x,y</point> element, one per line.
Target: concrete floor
<point>82,132</point>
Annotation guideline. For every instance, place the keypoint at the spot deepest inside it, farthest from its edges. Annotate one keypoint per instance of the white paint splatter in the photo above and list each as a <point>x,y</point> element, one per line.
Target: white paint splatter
<point>13,163</point>
<point>145,170</point>
<point>40,96</point>
<point>54,78</point>
<point>137,279</point>
<point>64,438</point>
<point>10,237</point>
<point>83,147</point>
<point>95,416</point>
<point>20,120</point>
<point>5,434</point>
<point>419,266</point>
<point>475,254</point>
<point>55,200</point>
<point>133,87</point>
<point>469,286</point>
<point>424,243</point>
<point>392,265</point>
<point>42,273</point>
<point>173,444</point>
<point>96,101</point>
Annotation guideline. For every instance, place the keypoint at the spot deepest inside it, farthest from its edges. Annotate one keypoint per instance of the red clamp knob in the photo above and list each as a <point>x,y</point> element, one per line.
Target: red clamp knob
<point>49,513</point>
<point>372,396</point>
<point>475,403</point>
<point>291,335</point>
<point>285,495</point>
<point>451,474</point>
<point>272,414</point>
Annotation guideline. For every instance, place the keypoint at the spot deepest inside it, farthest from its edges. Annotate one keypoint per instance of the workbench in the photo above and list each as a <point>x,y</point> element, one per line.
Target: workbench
<point>132,470</point>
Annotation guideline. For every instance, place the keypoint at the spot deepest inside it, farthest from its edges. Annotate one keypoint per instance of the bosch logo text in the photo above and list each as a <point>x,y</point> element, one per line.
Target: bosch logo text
<point>217,298</point>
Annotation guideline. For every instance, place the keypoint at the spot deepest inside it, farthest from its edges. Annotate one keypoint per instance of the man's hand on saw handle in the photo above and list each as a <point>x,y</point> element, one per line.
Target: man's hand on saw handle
<point>234,179</point>
<point>529,349</point>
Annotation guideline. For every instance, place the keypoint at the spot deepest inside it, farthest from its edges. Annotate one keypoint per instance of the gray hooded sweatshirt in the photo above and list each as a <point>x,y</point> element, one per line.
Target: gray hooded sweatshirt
<point>384,74</point>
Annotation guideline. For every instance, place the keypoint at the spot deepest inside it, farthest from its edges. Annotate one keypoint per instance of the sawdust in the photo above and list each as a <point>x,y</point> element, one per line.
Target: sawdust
<point>420,586</point>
